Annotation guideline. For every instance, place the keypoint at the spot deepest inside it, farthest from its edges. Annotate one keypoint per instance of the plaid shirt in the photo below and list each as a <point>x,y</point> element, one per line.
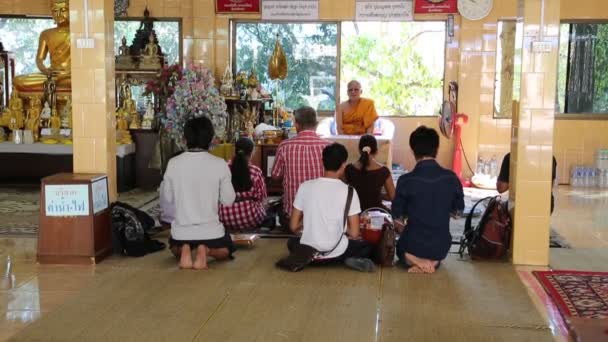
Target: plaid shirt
<point>248,210</point>
<point>298,159</point>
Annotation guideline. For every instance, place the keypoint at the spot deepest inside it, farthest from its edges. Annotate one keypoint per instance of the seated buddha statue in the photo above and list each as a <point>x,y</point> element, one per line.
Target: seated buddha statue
<point>55,121</point>
<point>123,136</point>
<point>150,56</point>
<point>53,42</point>
<point>124,60</point>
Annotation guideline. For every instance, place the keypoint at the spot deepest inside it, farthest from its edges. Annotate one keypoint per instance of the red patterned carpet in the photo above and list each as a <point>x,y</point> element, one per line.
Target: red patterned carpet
<point>576,293</point>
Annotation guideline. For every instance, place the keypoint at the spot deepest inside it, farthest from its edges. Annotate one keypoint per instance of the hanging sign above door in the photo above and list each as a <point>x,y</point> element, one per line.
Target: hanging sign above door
<point>237,6</point>
<point>436,6</point>
<point>297,10</point>
<point>384,10</point>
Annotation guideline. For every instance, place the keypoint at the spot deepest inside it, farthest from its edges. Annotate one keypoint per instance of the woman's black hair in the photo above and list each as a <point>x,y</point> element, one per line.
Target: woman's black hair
<point>241,178</point>
<point>367,141</point>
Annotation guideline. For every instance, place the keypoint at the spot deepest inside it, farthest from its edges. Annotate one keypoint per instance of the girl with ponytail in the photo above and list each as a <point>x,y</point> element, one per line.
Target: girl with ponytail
<point>368,176</point>
<point>248,210</point>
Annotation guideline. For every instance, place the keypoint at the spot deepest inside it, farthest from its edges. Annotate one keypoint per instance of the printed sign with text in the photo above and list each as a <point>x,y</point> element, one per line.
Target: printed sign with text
<point>301,10</point>
<point>237,6</point>
<point>384,10</point>
<point>436,6</point>
<point>66,200</point>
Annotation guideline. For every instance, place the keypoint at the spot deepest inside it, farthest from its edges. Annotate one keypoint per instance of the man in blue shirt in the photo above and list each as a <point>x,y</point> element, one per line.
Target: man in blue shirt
<point>426,197</point>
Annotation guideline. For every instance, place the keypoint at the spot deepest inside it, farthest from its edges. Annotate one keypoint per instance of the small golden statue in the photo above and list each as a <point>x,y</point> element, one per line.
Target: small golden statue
<point>56,43</point>
<point>33,117</point>
<point>150,55</point>
<point>55,121</point>
<point>14,113</point>
<point>122,127</point>
<point>125,91</point>
<point>131,109</point>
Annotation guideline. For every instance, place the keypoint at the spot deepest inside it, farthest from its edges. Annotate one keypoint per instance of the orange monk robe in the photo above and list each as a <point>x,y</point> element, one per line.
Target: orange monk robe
<point>359,118</point>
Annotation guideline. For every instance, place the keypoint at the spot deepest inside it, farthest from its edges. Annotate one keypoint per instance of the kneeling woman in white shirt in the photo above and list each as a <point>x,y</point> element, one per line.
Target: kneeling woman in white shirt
<point>193,186</point>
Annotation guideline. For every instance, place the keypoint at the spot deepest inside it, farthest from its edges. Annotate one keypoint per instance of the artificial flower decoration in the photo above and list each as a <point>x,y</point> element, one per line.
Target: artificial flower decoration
<point>193,96</point>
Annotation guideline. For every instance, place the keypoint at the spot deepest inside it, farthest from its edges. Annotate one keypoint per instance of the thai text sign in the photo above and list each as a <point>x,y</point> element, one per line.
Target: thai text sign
<point>290,10</point>
<point>66,200</point>
<point>436,6</point>
<point>384,10</point>
<point>237,6</point>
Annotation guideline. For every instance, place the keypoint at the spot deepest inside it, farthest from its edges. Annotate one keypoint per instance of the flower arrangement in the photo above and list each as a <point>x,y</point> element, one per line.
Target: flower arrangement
<point>164,85</point>
<point>194,95</point>
<point>242,79</point>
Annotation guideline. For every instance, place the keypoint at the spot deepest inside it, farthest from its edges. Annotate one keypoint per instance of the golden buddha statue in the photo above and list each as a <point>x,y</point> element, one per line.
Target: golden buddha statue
<point>33,117</point>
<point>131,109</point>
<point>54,42</point>
<point>14,114</point>
<point>150,55</point>
<point>122,127</point>
<point>55,122</point>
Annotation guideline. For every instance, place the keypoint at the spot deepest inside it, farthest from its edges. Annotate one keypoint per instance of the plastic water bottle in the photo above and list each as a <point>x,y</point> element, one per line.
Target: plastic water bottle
<point>493,167</point>
<point>486,168</point>
<point>480,166</point>
<point>575,177</point>
<point>585,177</point>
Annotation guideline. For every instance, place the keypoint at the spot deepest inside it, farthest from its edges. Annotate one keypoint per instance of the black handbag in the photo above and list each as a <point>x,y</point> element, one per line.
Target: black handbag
<point>302,255</point>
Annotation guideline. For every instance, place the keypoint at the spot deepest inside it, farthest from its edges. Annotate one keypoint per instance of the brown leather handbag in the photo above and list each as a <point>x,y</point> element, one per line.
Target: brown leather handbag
<point>384,253</point>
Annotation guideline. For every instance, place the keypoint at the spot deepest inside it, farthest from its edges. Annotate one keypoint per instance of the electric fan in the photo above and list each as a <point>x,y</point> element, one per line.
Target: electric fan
<point>450,125</point>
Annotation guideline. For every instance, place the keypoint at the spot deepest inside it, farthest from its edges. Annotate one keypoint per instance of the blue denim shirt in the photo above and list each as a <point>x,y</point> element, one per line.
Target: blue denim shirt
<point>427,196</point>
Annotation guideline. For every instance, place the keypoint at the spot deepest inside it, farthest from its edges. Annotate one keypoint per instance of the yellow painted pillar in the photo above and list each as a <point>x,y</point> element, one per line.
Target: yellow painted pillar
<point>93,96</point>
<point>532,133</point>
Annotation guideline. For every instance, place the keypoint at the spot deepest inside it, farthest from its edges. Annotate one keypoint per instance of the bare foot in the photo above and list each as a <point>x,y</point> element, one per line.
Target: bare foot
<point>201,258</point>
<point>185,260</point>
<point>424,265</point>
<point>414,269</point>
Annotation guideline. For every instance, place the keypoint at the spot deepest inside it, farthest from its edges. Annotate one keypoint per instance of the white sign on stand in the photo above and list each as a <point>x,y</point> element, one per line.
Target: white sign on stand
<point>384,10</point>
<point>100,194</point>
<point>67,200</point>
<point>300,10</point>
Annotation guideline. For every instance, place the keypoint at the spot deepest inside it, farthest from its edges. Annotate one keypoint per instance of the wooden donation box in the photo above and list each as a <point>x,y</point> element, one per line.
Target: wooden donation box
<point>75,225</point>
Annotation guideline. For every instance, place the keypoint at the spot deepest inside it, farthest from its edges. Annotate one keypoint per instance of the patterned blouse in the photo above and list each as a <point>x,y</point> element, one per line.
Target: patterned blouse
<point>248,210</point>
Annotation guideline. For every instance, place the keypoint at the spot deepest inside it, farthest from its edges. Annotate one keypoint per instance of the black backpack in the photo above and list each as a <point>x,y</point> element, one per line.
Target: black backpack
<point>130,228</point>
<point>491,238</point>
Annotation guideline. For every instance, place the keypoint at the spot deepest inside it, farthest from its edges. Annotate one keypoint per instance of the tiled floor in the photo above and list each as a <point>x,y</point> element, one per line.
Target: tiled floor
<point>29,291</point>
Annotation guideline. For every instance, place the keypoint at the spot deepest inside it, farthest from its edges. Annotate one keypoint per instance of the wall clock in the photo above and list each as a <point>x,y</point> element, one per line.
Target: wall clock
<point>474,9</point>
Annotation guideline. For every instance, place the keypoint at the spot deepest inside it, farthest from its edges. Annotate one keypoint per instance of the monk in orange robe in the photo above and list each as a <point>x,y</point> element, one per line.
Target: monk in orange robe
<point>357,115</point>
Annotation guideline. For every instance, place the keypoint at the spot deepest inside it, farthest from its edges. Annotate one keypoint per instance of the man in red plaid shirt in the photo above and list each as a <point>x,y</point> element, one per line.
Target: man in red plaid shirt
<point>299,159</point>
